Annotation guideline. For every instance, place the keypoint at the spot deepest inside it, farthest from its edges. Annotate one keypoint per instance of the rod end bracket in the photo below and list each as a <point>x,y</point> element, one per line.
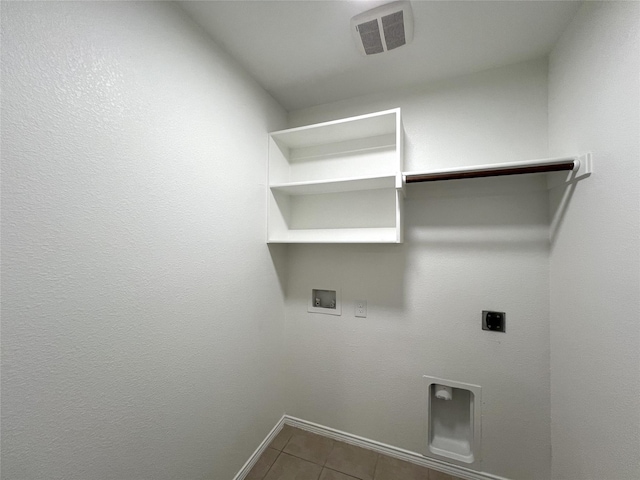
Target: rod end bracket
<point>582,169</point>
<point>585,167</point>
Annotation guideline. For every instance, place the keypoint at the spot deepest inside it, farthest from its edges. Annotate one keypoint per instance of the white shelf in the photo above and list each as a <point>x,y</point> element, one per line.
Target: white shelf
<point>338,131</point>
<point>338,235</point>
<point>337,185</point>
<point>337,182</point>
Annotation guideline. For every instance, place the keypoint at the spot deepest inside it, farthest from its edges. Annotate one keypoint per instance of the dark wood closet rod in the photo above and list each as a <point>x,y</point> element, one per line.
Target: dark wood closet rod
<point>490,171</point>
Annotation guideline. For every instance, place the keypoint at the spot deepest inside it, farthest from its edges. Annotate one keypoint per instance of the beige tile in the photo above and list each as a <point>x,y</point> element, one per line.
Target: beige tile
<point>333,475</point>
<point>435,475</point>
<point>352,460</point>
<point>288,467</point>
<point>282,438</point>
<point>263,464</point>
<point>309,446</point>
<point>393,469</point>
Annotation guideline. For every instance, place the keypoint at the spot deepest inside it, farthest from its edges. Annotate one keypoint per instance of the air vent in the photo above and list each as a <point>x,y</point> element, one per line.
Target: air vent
<point>383,28</point>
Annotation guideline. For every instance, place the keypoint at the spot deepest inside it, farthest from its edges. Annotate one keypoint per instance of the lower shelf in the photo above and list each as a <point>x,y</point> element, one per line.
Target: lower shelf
<point>359,216</point>
<point>338,235</point>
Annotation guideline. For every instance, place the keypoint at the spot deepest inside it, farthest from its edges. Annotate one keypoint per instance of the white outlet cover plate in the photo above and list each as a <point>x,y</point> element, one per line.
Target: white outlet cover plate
<point>361,308</point>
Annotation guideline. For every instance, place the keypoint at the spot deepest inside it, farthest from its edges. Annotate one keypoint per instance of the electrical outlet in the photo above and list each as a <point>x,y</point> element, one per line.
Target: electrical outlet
<point>361,308</point>
<point>493,321</point>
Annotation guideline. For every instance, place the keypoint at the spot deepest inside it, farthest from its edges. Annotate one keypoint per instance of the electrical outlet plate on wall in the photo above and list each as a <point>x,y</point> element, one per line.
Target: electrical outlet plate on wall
<point>361,308</point>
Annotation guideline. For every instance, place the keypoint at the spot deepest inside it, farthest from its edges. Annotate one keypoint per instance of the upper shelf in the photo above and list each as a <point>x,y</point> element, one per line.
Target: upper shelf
<point>336,131</point>
<point>579,166</point>
<point>359,147</point>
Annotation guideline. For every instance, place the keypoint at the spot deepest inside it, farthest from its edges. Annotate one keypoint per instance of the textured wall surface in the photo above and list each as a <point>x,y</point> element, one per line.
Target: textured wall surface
<point>142,313</point>
<point>594,105</point>
<point>471,245</point>
<point>141,310</point>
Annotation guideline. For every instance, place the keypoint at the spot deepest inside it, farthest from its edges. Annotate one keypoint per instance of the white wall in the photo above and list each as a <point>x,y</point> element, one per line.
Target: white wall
<point>142,313</point>
<point>594,105</point>
<point>470,245</point>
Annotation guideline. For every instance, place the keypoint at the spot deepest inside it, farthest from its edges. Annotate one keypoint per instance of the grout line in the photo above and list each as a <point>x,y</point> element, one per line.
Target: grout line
<point>306,459</point>
<point>287,442</point>
<point>302,458</point>
<point>270,466</point>
<point>342,473</point>
<point>375,469</point>
<point>333,445</point>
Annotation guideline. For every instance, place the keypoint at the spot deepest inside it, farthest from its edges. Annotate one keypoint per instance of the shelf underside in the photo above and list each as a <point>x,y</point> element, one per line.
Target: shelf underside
<point>364,126</point>
<point>335,186</point>
<point>337,235</point>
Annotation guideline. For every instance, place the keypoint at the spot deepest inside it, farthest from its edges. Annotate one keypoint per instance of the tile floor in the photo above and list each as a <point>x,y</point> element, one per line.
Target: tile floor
<point>299,455</point>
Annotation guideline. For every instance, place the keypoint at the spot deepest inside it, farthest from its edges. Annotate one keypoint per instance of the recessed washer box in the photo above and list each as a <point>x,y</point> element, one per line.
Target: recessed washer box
<point>325,300</point>
<point>454,420</point>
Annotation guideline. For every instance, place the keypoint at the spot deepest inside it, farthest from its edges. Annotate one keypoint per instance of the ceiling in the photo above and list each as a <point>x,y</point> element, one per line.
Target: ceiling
<point>303,54</point>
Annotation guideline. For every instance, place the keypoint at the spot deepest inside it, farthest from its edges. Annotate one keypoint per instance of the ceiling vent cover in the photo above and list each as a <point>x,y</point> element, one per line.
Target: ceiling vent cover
<point>383,28</point>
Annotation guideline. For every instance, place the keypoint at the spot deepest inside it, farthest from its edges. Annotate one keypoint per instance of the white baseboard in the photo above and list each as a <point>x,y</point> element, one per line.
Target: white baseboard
<point>246,468</point>
<point>389,450</point>
<point>378,447</point>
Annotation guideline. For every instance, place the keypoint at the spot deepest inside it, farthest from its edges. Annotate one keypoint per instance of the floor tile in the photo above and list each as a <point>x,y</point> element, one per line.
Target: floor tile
<point>288,467</point>
<point>435,475</point>
<point>309,446</point>
<point>282,438</point>
<point>393,469</point>
<point>263,464</point>
<point>333,475</point>
<point>352,460</point>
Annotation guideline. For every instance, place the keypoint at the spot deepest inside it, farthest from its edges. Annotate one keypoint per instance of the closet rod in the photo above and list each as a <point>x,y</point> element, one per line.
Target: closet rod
<point>516,168</point>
